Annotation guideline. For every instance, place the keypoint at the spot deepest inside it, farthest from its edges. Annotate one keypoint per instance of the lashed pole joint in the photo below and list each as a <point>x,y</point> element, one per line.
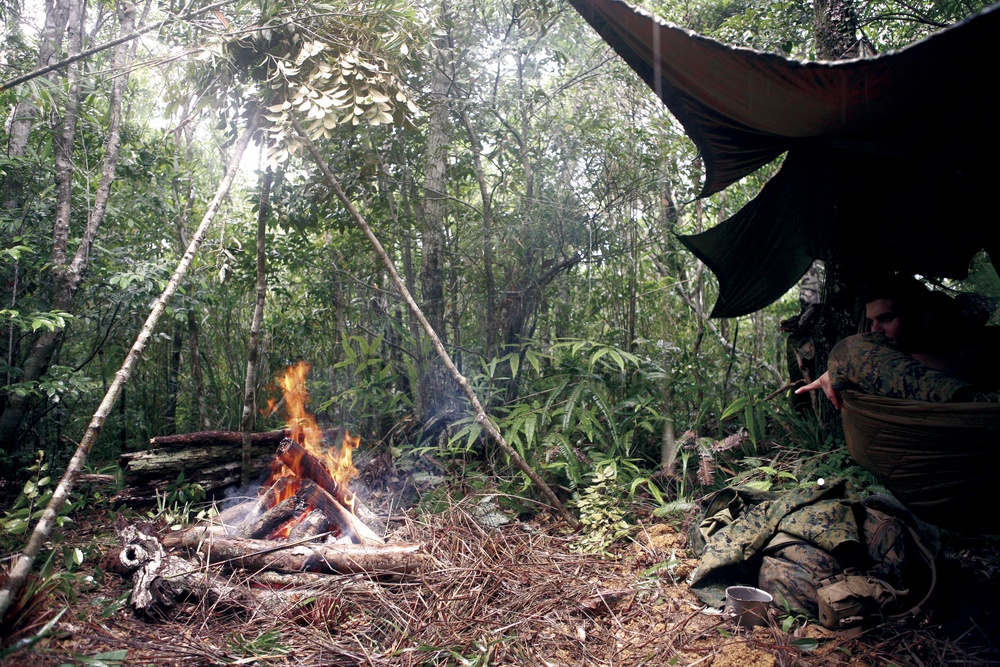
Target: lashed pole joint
<point>481,417</point>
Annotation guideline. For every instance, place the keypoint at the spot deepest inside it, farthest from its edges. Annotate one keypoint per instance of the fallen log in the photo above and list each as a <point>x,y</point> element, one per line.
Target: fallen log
<point>155,471</point>
<point>162,581</point>
<point>212,459</point>
<point>387,559</point>
<point>268,439</point>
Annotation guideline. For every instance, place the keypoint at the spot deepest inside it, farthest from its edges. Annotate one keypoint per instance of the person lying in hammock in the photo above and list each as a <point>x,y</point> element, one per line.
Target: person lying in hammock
<point>920,347</point>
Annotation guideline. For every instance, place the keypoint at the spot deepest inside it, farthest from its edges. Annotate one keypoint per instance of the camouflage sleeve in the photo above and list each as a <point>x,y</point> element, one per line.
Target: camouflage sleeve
<point>872,363</point>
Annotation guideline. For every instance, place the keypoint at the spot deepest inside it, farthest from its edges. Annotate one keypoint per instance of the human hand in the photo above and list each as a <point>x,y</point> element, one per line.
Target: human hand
<point>822,382</point>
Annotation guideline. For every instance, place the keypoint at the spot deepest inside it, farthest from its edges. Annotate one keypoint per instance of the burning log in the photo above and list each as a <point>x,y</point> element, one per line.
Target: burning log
<point>232,518</point>
<point>314,524</point>
<point>375,560</point>
<point>274,518</point>
<point>338,515</point>
<point>296,457</point>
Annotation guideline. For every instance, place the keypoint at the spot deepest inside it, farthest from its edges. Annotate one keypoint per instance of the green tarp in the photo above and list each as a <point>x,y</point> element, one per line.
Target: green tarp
<point>889,161</point>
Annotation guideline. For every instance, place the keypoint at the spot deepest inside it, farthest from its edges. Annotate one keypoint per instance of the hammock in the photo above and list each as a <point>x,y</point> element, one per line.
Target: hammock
<point>941,460</point>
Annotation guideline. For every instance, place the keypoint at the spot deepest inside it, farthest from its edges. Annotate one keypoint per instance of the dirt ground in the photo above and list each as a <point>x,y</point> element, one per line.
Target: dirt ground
<point>512,595</point>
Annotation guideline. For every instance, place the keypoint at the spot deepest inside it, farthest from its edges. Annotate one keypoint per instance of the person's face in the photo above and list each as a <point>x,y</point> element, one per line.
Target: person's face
<point>886,317</point>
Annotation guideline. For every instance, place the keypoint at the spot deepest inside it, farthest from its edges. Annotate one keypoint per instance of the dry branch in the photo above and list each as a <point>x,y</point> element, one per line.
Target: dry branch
<point>481,417</point>
<point>389,559</point>
<point>22,567</point>
<point>269,439</point>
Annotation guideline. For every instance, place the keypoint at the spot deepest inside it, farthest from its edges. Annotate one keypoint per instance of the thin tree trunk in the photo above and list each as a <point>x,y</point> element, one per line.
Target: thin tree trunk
<point>22,567</point>
<point>69,274</point>
<point>403,222</point>
<point>197,378</point>
<point>173,380</point>
<point>249,388</point>
<point>45,345</point>
<point>435,207</point>
<point>26,112</point>
<point>481,417</point>
<point>487,198</point>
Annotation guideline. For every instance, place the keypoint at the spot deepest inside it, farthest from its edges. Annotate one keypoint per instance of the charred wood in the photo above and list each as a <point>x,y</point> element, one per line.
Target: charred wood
<point>273,518</point>
<point>311,526</point>
<point>296,457</point>
<point>338,515</point>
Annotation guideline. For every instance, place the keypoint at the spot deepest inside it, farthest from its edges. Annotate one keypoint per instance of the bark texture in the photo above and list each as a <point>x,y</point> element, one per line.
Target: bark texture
<point>388,559</point>
<point>250,383</point>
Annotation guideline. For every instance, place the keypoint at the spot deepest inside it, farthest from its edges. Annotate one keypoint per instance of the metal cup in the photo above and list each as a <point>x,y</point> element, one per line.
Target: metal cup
<point>748,605</point>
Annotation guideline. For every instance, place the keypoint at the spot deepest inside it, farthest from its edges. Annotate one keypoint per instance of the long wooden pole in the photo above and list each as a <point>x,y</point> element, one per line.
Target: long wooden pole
<point>21,569</point>
<point>481,417</point>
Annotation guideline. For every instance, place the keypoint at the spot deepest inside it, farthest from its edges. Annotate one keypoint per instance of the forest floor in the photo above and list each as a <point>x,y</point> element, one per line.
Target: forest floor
<point>516,594</point>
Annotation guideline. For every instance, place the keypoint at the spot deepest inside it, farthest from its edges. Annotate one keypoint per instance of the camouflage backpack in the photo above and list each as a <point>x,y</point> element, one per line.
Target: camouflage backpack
<point>820,551</point>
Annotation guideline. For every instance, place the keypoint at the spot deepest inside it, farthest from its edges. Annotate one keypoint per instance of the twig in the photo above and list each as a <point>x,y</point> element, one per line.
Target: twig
<point>106,45</point>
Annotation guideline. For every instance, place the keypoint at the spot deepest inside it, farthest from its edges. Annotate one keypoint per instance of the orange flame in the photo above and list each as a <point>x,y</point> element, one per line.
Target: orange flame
<point>303,426</point>
<point>305,431</point>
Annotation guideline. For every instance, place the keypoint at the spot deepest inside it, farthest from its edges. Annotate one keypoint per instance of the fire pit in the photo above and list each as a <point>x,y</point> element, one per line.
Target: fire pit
<point>303,519</point>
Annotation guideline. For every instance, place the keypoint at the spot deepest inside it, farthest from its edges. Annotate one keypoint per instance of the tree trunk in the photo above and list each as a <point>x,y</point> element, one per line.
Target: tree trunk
<point>197,378</point>
<point>487,244</point>
<point>435,207</point>
<point>433,384</point>
<point>26,112</point>
<point>834,316</point>
<point>250,385</point>
<point>44,346</point>
<point>173,380</point>
<point>835,27</point>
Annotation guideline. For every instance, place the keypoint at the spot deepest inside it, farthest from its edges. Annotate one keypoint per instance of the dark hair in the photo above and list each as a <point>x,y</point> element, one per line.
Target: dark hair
<point>908,292</point>
<point>915,298</point>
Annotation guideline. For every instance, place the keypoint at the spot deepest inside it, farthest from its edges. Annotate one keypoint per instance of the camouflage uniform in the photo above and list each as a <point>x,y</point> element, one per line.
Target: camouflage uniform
<point>744,525</point>
<point>876,365</point>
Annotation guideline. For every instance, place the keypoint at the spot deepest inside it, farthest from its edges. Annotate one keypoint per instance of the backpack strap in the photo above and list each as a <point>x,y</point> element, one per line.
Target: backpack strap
<point>931,562</point>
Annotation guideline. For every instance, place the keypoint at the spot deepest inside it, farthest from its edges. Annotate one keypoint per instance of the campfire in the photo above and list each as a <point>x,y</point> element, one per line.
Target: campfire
<point>306,494</point>
<point>303,519</point>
